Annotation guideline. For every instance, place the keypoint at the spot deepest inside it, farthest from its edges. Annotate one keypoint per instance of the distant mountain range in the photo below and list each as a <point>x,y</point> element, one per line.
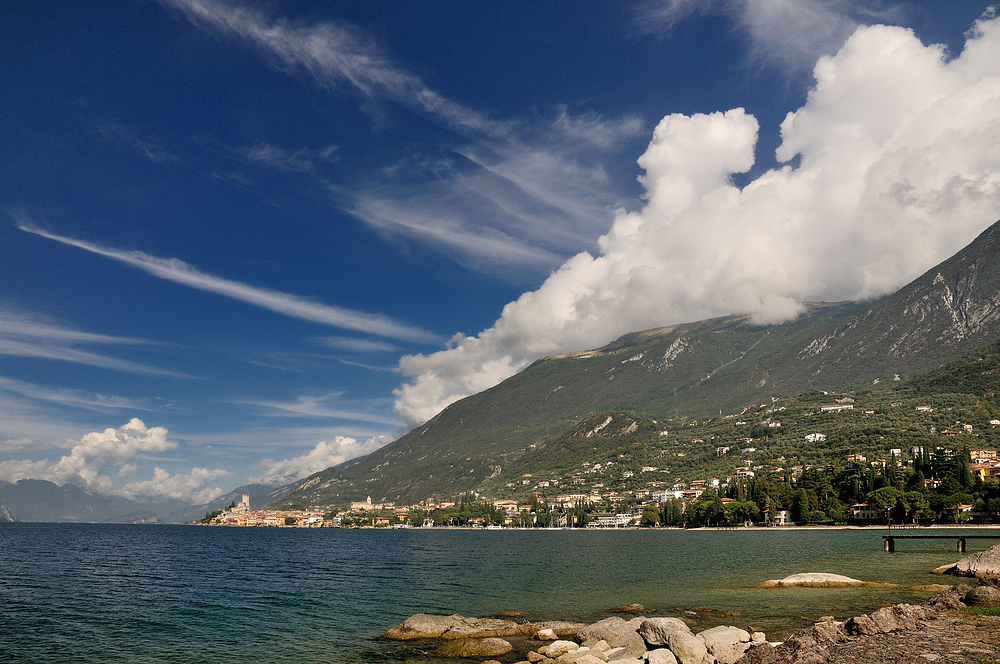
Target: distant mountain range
<point>41,500</point>
<point>693,370</point>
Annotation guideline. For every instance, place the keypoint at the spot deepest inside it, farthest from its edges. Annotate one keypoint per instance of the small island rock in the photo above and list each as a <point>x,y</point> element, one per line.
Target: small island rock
<point>813,580</point>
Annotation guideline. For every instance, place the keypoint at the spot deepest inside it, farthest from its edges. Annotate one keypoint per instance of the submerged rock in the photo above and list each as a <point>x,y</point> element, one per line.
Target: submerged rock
<point>629,608</point>
<point>489,647</point>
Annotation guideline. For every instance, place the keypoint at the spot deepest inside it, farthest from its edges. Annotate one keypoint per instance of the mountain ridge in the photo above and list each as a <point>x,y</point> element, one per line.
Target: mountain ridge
<point>693,370</point>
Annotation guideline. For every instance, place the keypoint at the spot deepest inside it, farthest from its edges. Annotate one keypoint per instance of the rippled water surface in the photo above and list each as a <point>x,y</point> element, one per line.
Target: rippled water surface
<point>140,593</point>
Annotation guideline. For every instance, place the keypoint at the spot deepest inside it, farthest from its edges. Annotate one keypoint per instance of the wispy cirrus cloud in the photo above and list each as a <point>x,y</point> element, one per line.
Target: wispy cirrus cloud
<point>302,160</point>
<point>22,335</point>
<point>324,406</point>
<point>128,137</point>
<point>357,345</point>
<point>333,54</point>
<point>294,306</point>
<point>527,192</point>
<point>68,397</point>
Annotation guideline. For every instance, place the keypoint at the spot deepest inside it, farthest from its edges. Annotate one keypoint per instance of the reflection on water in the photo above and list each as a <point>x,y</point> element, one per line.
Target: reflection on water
<point>117,593</point>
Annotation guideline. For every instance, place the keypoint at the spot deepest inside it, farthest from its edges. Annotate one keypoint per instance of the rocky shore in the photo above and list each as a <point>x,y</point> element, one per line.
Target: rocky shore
<point>941,630</point>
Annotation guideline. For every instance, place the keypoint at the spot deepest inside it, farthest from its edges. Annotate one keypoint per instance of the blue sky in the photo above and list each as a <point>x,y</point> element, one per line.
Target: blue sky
<point>251,240</point>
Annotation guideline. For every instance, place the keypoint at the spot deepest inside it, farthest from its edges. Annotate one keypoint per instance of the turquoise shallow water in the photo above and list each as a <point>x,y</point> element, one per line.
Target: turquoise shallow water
<point>131,593</point>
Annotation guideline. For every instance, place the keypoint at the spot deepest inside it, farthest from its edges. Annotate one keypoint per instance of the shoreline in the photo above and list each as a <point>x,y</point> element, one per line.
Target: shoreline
<point>943,628</point>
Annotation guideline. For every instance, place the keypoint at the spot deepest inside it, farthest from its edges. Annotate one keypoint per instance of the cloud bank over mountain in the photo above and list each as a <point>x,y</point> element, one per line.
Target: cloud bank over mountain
<point>890,167</point>
<point>99,457</point>
<point>323,455</point>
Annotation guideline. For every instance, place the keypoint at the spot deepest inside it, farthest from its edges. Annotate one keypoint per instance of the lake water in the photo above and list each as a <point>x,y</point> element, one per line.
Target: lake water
<point>185,594</point>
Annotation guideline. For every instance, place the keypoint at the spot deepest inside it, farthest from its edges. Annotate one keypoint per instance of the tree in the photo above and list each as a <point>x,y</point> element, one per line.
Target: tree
<point>914,504</point>
<point>800,508</point>
<point>884,499</point>
<point>650,516</point>
<point>741,512</point>
<point>673,513</point>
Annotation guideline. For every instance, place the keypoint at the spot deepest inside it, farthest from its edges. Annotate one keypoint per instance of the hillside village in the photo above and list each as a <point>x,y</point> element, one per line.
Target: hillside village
<point>888,455</point>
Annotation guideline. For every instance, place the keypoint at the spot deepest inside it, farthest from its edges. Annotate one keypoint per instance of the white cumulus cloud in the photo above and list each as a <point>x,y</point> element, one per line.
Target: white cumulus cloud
<point>897,169</point>
<point>324,455</point>
<point>99,455</point>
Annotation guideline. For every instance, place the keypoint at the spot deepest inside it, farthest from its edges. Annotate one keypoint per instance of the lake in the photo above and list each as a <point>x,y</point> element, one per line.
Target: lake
<point>146,593</point>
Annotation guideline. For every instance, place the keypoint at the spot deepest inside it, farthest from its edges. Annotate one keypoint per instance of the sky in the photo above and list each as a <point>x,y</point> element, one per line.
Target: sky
<point>245,241</point>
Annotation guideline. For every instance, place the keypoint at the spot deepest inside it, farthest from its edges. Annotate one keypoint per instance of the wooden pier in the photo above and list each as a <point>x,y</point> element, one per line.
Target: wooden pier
<point>889,541</point>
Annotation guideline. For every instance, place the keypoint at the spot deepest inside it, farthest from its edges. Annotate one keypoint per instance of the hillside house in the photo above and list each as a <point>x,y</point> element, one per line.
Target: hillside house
<point>780,518</point>
<point>865,512</point>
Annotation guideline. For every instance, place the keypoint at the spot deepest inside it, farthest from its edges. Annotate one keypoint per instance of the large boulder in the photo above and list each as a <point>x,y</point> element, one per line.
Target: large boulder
<point>423,626</point>
<point>687,648</point>
<point>810,645</point>
<point>588,658</point>
<point>760,654</point>
<point>453,627</point>
<point>620,655</point>
<point>741,634</point>
<point>617,632</point>
<point>885,620</point>
<point>661,656</point>
<point>983,597</point>
<point>656,631</point>
<point>557,648</point>
<point>982,565</point>
<point>722,642</point>
<point>574,656</point>
<point>479,628</point>
<point>490,647</point>
<point>950,599</point>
